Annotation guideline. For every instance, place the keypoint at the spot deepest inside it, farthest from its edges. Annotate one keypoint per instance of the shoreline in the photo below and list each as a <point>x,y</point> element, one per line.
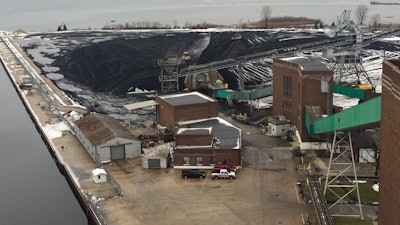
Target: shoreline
<point>62,166</point>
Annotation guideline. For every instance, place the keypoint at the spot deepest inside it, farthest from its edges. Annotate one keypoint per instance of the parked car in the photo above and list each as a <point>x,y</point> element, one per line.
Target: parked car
<point>193,174</point>
<point>223,173</point>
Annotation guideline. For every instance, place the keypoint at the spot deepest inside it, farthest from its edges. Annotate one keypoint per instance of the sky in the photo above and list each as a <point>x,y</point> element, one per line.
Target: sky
<point>46,15</point>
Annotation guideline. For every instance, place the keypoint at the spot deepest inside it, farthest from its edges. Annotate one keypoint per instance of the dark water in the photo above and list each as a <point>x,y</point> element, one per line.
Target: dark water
<point>32,190</point>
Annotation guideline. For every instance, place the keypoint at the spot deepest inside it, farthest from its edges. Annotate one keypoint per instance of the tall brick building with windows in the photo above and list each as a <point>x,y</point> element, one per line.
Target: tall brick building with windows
<point>298,82</point>
<point>389,175</point>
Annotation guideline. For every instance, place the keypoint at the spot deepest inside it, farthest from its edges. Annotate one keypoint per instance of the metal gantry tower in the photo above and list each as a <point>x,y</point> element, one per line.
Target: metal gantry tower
<point>348,64</point>
<point>169,77</point>
<point>341,179</point>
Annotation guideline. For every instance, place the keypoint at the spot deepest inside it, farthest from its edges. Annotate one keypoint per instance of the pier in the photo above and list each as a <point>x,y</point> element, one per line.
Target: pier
<point>43,100</point>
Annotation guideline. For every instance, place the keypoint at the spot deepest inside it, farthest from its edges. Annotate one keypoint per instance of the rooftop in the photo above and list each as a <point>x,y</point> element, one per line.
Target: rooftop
<point>99,128</point>
<point>307,64</point>
<point>195,131</point>
<point>186,99</point>
<point>228,135</point>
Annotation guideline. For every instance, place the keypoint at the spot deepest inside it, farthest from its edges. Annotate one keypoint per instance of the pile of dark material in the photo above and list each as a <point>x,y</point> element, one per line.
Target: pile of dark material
<point>114,62</point>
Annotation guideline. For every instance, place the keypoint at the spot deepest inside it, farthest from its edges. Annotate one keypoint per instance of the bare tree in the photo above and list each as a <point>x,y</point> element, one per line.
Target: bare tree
<point>265,15</point>
<point>361,14</point>
<point>375,21</point>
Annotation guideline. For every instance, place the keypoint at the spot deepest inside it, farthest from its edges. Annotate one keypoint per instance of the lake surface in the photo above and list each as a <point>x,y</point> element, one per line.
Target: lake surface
<point>47,15</point>
<point>32,191</point>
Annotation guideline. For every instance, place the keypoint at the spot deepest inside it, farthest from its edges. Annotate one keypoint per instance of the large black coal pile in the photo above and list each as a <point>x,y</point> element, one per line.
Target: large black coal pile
<point>115,62</point>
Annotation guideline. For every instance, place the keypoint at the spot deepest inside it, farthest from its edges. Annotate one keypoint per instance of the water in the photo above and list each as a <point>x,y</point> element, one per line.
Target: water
<point>48,14</point>
<point>32,190</point>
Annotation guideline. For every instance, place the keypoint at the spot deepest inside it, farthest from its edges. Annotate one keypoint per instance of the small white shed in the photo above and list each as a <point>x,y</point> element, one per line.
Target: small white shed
<point>156,158</point>
<point>278,126</point>
<point>99,175</point>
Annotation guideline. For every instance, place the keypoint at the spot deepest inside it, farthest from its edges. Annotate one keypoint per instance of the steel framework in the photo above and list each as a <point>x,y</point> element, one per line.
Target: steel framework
<point>169,78</point>
<point>347,64</point>
<point>341,179</point>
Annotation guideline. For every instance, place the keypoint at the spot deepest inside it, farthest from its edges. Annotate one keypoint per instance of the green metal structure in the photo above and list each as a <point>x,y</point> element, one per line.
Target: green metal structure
<point>341,167</point>
<point>363,114</point>
<point>349,91</point>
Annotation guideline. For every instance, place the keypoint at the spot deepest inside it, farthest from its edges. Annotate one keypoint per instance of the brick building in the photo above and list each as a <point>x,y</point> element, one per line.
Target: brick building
<point>298,82</point>
<point>181,107</point>
<point>389,176</point>
<point>202,138</point>
<point>203,143</point>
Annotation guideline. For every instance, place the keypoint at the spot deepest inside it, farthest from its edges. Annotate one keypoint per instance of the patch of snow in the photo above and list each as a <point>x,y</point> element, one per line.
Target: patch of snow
<point>344,101</point>
<point>391,39</point>
<point>73,116</point>
<point>367,155</point>
<point>376,187</point>
<point>55,76</point>
<point>69,87</point>
<point>139,91</point>
<point>50,69</point>
<point>181,130</point>
<point>55,130</point>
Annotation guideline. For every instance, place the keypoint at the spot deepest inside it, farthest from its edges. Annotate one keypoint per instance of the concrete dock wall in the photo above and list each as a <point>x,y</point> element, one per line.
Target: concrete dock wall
<point>63,168</point>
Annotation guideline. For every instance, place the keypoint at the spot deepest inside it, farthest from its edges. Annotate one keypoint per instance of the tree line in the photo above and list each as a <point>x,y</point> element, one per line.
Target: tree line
<point>266,22</point>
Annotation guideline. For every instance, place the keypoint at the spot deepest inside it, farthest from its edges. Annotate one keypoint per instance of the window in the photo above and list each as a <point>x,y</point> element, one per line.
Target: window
<point>213,160</point>
<point>186,160</point>
<point>287,87</point>
<point>287,106</point>
<point>199,160</point>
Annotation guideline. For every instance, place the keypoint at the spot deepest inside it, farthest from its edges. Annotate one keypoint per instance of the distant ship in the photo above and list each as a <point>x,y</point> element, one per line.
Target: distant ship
<point>385,3</point>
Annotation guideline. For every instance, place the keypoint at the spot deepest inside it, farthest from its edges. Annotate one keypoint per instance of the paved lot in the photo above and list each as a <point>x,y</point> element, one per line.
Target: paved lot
<point>264,192</point>
<point>163,197</point>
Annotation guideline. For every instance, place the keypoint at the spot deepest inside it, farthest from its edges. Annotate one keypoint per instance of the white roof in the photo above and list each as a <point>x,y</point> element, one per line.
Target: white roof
<point>139,105</point>
<point>194,129</point>
<point>186,98</point>
<point>98,171</point>
<point>228,135</point>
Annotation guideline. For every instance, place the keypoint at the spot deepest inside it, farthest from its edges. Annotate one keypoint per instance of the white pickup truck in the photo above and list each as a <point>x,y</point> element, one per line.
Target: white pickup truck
<point>223,173</point>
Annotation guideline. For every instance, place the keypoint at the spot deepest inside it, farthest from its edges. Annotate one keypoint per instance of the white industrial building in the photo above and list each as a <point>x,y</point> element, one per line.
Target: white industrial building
<point>106,139</point>
<point>157,157</point>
